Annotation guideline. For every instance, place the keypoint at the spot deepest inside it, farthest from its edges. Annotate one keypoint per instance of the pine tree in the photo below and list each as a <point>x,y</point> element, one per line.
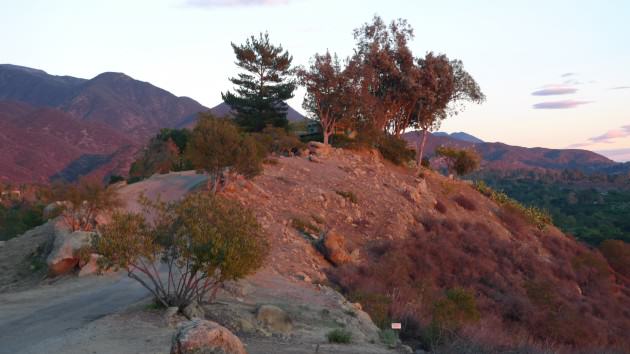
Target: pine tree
<point>263,86</point>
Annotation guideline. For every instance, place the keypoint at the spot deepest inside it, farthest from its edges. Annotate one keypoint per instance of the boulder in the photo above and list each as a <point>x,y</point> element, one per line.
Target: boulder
<point>334,248</point>
<point>64,255</point>
<point>193,310</point>
<point>205,337</point>
<point>319,149</point>
<point>274,318</point>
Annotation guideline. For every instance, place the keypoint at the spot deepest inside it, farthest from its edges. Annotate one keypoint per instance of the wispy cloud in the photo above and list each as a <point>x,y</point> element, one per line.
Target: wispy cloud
<point>234,3</point>
<point>606,138</point>
<point>568,74</point>
<point>620,88</point>
<point>553,90</point>
<point>565,104</point>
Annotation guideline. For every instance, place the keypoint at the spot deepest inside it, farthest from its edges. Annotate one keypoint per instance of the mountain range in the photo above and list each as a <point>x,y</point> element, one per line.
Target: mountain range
<point>63,127</point>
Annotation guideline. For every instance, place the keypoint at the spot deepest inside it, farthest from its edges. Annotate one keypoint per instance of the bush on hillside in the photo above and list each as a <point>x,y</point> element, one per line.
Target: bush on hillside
<point>536,216</point>
<point>339,336</point>
<point>459,161</point>
<point>219,148</point>
<point>83,201</point>
<point>163,153</point>
<point>514,287</point>
<point>279,141</point>
<point>202,241</point>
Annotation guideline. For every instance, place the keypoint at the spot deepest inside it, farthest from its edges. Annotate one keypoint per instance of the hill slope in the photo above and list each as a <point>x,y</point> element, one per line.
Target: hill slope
<point>405,236</point>
<point>37,144</point>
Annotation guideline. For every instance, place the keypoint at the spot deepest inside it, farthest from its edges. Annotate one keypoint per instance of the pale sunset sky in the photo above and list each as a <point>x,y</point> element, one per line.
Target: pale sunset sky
<point>556,73</point>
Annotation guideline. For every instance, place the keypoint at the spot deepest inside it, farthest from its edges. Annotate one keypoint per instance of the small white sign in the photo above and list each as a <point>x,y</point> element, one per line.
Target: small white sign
<point>396,325</point>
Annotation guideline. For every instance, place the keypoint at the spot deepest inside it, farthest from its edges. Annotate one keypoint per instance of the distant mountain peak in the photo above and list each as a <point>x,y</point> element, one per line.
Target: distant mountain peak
<point>460,136</point>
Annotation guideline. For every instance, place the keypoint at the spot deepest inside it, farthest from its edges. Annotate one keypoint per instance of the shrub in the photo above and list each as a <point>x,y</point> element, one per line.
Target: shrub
<point>163,153</point>
<point>113,179</point>
<point>217,147</point>
<point>465,202</point>
<point>459,161</point>
<point>389,337</point>
<point>278,140</point>
<point>395,149</point>
<point>617,253</point>
<point>83,201</point>
<point>340,336</point>
<point>350,196</point>
<point>204,239</point>
<point>536,216</point>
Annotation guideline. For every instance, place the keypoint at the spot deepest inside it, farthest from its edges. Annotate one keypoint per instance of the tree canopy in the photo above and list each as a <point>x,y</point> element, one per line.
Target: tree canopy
<point>263,86</point>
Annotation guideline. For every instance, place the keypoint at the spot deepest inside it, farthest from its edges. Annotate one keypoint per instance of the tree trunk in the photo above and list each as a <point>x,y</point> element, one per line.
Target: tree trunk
<point>421,143</point>
<point>326,135</point>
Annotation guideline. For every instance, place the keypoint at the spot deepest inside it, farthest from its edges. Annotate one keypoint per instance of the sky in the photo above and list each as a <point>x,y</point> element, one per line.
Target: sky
<point>555,73</point>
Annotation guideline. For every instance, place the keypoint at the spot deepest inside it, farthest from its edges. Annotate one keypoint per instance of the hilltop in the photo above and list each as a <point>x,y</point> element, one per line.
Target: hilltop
<point>406,239</point>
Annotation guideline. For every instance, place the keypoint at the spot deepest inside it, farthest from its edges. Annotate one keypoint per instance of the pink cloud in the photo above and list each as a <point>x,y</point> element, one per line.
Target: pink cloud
<point>560,104</point>
<point>553,90</point>
<point>606,138</point>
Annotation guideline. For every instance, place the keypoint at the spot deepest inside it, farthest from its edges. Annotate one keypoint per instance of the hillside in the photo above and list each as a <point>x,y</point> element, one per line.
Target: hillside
<point>401,242</point>
<point>407,236</point>
<point>135,108</point>
<point>37,144</point>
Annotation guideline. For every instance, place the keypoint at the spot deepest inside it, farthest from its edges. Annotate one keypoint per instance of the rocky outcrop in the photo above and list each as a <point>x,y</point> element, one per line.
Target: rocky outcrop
<point>274,319</point>
<point>201,336</point>
<point>333,246</point>
<point>64,256</point>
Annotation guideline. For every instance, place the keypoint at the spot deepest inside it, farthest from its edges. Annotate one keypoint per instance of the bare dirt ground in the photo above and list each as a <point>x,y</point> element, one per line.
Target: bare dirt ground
<point>109,315</point>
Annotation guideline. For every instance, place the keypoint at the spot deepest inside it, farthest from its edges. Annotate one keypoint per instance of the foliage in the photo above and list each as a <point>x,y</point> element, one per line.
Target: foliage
<point>339,336</point>
<point>278,141</point>
<point>459,161</point>
<point>389,337</point>
<point>18,218</point>
<point>329,92</point>
<point>591,214</point>
<point>617,253</point>
<point>217,147</point>
<point>262,86</point>
<point>203,241</point>
<point>513,291</point>
<point>83,201</point>
<point>164,153</point>
<point>395,149</point>
<point>349,195</point>
<point>538,217</point>
<point>457,308</point>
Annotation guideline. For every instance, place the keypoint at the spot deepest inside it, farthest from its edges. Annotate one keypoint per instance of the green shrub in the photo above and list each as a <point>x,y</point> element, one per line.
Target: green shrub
<point>389,337</point>
<point>340,336</point>
<point>217,147</point>
<point>459,161</point>
<point>204,238</point>
<point>350,196</point>
<point>536,216</point>
<point>113,179</point>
